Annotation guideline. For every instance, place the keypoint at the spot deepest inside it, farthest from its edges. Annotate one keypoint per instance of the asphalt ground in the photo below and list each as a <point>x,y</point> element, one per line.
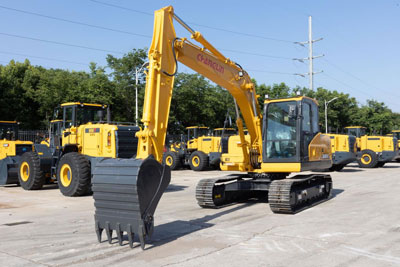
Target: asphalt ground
<point>358,226</point>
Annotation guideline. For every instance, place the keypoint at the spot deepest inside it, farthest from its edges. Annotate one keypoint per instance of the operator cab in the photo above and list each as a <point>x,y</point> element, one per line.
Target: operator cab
<point>396,133</point>
<point>289,127</point>
<point>357,131</point>
<point>9,130</point>
<point>75,114</point>
<point>196,132</point>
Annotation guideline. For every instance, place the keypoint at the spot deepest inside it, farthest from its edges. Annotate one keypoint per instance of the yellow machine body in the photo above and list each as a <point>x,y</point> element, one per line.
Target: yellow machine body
<point>11,150</point>
<point>9,143</point>
<point>344,150</point>
<point>373,151</point>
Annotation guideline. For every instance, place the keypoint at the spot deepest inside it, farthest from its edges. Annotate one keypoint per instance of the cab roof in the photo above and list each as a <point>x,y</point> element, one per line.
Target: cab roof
<point>359,127</point>
<point>9,122</point>
<point>221,129</point>
<point>395,131</point>
<point>194,127</point>
<point>296,98</point>
<point>80,103</point>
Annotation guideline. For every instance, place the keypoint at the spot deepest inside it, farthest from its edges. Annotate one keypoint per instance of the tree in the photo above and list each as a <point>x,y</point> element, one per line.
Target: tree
<point>123,71</point>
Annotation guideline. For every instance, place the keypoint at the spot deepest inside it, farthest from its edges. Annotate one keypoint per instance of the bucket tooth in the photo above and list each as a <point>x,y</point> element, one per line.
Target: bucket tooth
<point>99,231</point>
<point>109,232</point>
<point>120,234</point>
<point>126,193</point>
<point>130,236</point>
<point>142,237</point>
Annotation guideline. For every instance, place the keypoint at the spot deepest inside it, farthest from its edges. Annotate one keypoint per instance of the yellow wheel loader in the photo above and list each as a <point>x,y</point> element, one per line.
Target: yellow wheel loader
<point>344,150</point>
<point>373,151</point>
<point>79,137</point>
<point>396,134</point>
<point>201,151</point>
<point>11,150</point>
<point>284,138</point>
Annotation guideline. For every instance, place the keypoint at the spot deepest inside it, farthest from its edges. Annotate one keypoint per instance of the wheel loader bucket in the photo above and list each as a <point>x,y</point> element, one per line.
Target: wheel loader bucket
<point>126,193</point>
<point>9,170</point>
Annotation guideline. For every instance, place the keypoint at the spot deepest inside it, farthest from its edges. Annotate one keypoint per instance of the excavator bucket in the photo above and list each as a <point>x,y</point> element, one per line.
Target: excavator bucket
<point>126,193</point>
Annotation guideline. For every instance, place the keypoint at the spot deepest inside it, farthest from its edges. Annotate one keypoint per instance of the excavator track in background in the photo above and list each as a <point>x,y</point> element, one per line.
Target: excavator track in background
<point>298,193</point>
<point>211,193</point>
<point>284,196</point>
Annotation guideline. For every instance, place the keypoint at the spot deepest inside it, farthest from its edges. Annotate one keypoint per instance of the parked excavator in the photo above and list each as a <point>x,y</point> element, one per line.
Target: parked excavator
<point>284,138</point>
<point>373,151</point>
<point>11,150</point>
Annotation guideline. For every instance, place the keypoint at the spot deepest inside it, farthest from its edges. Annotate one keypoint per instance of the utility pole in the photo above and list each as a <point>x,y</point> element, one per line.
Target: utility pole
<point>137,72</point>
<point>310,55</point>
<point>326,113</point>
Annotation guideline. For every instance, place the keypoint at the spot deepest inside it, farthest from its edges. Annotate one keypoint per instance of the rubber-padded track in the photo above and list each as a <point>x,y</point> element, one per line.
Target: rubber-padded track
<point>211,195</point>
<point>301,192</point>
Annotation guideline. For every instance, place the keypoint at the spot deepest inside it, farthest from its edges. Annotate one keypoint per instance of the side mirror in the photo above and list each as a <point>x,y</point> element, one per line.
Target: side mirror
<point>292,111</point>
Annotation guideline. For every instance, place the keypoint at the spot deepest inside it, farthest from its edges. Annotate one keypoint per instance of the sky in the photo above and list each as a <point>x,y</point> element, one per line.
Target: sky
<point>360,37</point>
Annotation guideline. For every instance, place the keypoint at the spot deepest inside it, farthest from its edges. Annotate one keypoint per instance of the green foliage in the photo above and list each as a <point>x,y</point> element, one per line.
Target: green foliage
<point>30,93</point>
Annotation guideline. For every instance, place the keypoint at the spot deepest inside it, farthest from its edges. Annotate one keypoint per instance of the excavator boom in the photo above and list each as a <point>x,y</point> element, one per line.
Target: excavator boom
<point>126,191</point>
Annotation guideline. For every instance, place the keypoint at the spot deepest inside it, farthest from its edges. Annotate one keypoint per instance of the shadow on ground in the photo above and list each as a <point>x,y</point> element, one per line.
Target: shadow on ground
<point>175,188</point>
<point>168,232</point>
<point>335,192</point>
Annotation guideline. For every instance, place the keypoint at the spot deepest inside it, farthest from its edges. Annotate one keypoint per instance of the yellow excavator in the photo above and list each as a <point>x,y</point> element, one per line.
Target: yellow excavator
<point>284,138</point>
<point>11,150</point>
<point>373,151</point>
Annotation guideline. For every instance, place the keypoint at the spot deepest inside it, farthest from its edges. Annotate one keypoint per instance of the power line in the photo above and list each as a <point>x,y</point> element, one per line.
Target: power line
<point>197,24</point>
<point>347,85</point>
<point>120,31</point>
<point>355,77</point>
<point>272,72</point>
<point>254,54</point>
<point>60,43</point>
<point>45,58</point>
<point>75,22</point>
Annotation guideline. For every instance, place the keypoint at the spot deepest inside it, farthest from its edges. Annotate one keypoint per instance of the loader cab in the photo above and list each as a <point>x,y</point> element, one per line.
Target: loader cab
<point>76,114</point>
<point>194,132</point>
<point>9,130</point>
<point>396,133</point>
<point>291,133</point>
<point>56,133</point>
<point>357,131</point>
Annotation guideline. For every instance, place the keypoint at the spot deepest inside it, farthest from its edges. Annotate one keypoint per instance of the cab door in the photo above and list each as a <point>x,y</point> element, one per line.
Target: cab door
<point>309,126</point>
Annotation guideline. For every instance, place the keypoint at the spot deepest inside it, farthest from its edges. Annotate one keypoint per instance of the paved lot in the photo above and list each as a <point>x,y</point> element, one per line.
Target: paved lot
<point>359,226</point>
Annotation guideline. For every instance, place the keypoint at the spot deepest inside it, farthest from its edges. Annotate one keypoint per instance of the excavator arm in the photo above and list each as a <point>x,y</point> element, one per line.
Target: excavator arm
<point>127,191</point>
<point>165,51</point>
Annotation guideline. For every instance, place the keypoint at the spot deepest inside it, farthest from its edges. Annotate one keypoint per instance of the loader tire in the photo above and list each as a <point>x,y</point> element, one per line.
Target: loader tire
<point>198,161</point>
<point>368,159</point>
<point>30,175</point>
<point>73,175</point>
<point>172,160</point>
